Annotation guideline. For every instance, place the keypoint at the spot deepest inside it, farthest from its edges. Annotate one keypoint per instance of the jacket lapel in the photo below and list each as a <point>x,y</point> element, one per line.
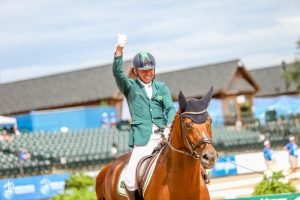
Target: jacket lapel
<point>142,88</point>
<point>154,89</point>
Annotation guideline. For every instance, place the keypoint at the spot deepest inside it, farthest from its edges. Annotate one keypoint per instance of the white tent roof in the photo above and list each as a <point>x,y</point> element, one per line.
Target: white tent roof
<point>7,120</point>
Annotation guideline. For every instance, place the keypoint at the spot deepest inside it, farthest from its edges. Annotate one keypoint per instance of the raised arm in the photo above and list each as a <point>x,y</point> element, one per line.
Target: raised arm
<point>122,39</point>
<point>118,71</point>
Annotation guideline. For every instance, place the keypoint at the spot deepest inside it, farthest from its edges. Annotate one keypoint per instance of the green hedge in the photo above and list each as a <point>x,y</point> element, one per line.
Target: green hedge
<point>276,183</point>
<point>78,187</point>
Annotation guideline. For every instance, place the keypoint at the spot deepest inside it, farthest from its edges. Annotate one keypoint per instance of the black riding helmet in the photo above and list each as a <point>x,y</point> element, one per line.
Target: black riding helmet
<point>143,61</point>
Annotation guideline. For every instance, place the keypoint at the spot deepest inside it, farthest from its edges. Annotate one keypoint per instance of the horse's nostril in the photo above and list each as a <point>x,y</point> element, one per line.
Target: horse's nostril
<point>205,157</point>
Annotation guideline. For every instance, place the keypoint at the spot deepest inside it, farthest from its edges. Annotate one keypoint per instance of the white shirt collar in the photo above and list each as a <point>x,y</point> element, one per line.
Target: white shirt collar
<point>146,85</point>
<point>148,88</point>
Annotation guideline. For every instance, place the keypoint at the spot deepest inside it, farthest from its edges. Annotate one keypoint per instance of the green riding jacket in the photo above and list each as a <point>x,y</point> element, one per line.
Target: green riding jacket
<point>144,111</point>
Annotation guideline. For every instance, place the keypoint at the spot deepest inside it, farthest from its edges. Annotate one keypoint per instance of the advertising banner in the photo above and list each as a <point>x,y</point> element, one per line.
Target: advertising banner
<point>224,166</point>
<point>250,163</point>
<point>290,196</point>
<point>31,188</point>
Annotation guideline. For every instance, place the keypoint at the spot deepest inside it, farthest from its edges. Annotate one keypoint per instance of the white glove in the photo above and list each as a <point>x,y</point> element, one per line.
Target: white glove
<point>122,39</point>
<point>166,133</point>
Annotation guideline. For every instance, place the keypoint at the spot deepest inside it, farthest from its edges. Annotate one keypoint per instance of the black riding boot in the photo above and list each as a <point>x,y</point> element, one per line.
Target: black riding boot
<point>130,194</point>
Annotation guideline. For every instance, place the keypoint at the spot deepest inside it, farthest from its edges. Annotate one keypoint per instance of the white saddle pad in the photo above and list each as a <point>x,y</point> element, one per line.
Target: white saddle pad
<point>121,185</point>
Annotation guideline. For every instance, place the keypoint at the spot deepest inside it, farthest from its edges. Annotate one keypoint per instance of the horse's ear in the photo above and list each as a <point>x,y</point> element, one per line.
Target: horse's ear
<point>182,101</point>
<point>206,99</point>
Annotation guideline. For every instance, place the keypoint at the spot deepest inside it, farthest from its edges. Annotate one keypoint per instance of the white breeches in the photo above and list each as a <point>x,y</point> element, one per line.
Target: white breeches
<point>137,153</point>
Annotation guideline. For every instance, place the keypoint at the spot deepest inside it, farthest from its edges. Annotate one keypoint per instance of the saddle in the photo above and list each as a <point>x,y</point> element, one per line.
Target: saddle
<point>143,168</point>
<point>145,164</point>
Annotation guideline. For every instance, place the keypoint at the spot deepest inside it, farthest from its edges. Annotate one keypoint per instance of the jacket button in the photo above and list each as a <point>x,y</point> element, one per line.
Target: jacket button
<point>150,110</point>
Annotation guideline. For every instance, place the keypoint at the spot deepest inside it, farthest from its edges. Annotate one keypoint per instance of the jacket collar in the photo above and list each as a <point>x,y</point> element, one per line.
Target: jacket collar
<point>142,87</point>
<point>144,84</point>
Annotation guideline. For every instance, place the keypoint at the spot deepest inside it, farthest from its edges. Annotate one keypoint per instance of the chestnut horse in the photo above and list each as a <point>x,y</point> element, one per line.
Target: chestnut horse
<point>178,173</point>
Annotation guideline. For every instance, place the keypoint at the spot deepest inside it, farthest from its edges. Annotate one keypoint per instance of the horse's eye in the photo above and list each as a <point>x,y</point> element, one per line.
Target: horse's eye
<point>189,125</point>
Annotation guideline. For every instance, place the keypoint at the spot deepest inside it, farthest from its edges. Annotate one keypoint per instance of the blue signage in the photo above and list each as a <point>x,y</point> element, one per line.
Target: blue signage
<point>224,166</point>
<point>31,188</point>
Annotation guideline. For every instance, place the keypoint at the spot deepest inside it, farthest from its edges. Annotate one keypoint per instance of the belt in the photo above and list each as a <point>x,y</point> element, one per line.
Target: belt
<point>159,130</point>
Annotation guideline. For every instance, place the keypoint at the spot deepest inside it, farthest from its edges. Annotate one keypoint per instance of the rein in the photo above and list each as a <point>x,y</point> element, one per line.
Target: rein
<point>192,147</point>
<point>251,170</point>
<point>179,151</point>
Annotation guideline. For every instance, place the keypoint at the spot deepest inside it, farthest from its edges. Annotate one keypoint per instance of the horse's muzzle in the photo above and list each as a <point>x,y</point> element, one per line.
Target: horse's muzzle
<point>209,158</point>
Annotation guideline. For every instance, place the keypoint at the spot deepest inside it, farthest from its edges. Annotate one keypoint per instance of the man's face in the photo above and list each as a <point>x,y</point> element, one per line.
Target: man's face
<point>293,141</point>
<point>145,75</point>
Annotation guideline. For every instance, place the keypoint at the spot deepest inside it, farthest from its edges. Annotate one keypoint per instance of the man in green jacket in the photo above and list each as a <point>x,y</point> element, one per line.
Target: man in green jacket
<point>150,105</point>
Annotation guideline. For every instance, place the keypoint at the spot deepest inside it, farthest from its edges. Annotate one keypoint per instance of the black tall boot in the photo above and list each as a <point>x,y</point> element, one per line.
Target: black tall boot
<point>130,194</point>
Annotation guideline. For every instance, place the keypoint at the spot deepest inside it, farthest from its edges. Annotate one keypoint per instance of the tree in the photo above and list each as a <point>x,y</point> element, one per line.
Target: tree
<point>292,74</point>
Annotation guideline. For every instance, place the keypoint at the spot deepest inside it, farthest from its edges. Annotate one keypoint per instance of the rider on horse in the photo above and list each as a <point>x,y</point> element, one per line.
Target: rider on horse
<point>151,108</point>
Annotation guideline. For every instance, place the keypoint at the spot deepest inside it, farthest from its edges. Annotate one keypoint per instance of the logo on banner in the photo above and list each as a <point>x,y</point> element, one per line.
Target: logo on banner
<point>8,189</point>
<point>224,166</point>
<point>45,186</point>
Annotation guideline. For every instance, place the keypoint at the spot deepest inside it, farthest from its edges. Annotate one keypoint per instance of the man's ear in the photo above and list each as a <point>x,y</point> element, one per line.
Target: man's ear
<point>135,71</point>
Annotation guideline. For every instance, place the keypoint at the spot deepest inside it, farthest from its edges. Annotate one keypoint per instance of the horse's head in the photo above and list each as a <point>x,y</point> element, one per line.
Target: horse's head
<point>196,128</point>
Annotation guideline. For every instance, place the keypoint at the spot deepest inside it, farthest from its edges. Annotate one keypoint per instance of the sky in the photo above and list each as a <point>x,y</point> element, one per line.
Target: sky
<point>39,38</point>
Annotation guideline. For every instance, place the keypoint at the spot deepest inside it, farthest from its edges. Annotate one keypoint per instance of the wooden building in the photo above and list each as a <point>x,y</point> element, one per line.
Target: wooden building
<point>232,82</point>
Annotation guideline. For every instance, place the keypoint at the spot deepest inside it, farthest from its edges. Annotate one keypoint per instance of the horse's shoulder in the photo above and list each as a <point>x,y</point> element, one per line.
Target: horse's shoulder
<point>121,160</point>
<point>117,165</point>
<point>125,157</point>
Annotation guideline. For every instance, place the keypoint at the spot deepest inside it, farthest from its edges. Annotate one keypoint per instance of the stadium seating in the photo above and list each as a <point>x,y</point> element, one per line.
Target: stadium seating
<point>90,147</point>
<point>231,140</point>
<point>61,150</point>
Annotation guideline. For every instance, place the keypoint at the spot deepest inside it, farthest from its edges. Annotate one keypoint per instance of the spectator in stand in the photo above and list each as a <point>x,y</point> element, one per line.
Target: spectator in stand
<point>105,120</point>
<point>5,137</point>
<point>268,156</point>
<point>292,149</point>
<point>15,130</point>
<point>23,156</point>
<point>1,138</point>
<point>113,120</point>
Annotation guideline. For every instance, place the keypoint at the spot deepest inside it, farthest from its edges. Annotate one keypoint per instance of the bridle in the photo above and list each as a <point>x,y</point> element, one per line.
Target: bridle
<point>191,147</point>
